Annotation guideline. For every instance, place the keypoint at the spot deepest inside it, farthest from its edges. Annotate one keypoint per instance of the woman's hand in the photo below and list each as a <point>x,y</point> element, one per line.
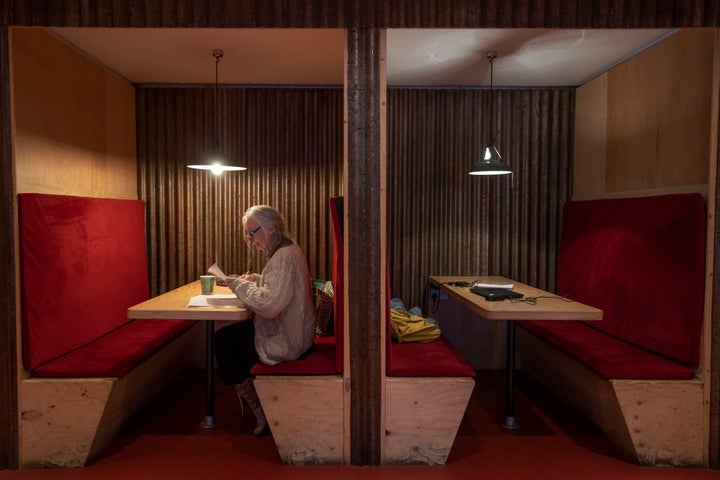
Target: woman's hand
<point>227,281</point>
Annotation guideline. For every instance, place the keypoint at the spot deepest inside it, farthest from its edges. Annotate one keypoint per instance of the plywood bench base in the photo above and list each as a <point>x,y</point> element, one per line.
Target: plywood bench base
<point>65,422</point>
<point>656,422</point>
<point>423,415</point>
<point>306,415</point>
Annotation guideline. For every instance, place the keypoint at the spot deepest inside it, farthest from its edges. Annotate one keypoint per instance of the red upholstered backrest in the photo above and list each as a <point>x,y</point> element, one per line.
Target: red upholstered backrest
<point>336,210</point>
<point>338,279</point>
<point>642,261</point>
<point>436,359</point>
<point>83,264</point>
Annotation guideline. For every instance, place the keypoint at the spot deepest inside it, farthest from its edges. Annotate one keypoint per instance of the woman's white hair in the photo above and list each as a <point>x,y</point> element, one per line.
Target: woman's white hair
<point>268,218</point>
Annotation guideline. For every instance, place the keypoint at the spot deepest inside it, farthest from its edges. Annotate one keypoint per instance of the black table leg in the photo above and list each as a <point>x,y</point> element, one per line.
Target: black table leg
<point>510,376</point>
<point>209,420</point>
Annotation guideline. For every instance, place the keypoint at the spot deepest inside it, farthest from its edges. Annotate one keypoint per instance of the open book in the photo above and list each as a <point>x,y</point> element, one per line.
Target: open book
<point>219,274</point>
<point>215,300</point>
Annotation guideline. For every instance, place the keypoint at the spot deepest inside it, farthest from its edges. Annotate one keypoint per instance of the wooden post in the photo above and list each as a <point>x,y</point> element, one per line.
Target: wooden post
<point>365,246</point>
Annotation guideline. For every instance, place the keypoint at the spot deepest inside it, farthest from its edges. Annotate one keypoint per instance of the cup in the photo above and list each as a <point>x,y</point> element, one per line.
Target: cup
<point>207,283</point>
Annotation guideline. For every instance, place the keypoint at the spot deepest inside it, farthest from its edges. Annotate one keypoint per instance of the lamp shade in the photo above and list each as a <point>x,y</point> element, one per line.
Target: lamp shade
<point>217,163</point>
<point>491,163</point>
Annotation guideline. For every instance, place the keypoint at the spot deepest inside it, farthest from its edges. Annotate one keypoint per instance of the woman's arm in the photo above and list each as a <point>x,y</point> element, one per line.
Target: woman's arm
<point>270,293</point>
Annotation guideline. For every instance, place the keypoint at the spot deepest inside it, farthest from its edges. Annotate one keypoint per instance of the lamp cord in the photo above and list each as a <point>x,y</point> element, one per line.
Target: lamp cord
<point>218,55</point>
<point>491,57</point>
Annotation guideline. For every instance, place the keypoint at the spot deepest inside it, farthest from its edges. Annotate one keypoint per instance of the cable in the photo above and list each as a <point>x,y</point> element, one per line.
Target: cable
<point>435,301</point>
<point>533,300</point>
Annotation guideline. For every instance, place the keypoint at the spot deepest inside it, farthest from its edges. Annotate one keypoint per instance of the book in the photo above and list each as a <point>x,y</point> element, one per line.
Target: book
<point>215,300</point>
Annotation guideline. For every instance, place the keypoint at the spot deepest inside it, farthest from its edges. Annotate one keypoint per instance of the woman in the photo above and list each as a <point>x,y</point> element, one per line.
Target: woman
<point>283,327</point>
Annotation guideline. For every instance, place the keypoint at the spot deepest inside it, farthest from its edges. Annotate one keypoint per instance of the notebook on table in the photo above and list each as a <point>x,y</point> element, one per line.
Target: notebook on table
<point>495,293</point>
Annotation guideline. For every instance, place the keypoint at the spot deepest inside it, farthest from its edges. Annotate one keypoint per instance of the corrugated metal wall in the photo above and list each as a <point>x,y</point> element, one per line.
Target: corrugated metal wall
<point>291,142</point>
<point>441,221</point>
<point>446,222</point>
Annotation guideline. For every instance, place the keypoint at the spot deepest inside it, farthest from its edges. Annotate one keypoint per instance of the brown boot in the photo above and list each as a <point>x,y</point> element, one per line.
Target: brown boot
<point>246,390</point>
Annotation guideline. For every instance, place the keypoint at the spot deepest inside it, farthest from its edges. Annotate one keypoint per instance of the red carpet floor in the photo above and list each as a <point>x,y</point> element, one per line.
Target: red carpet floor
<point>165,441</point>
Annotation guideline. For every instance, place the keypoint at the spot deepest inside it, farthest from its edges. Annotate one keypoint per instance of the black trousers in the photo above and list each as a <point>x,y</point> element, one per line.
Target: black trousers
<point>235,351</point>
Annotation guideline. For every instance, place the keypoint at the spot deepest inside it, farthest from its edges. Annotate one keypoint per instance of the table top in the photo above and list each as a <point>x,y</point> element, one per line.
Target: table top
<point>548,306</point>
<point>173,305</point>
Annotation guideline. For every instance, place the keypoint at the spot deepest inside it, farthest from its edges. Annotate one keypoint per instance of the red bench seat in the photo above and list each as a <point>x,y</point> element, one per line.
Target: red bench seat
<point>642,261</point>
<point>608,356</point>
<point>431,359</point>
<point>320,361</point>
<point>83,264</point>
<point>89,369</point>
<point>116,353</point>
<point>304,400</point>
<point>326,355</point>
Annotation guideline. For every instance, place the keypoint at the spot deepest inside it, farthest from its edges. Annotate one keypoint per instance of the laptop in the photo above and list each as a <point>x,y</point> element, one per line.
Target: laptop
<point>492,294</point>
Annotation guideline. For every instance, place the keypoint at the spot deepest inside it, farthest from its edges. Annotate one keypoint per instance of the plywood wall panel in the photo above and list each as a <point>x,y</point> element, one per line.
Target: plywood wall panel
<point>74,121</point>
<point>590,139</point>
<point>658,115</point>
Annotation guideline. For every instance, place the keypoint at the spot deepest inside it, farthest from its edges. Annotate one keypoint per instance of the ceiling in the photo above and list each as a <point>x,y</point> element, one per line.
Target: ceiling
<point>415,57</point>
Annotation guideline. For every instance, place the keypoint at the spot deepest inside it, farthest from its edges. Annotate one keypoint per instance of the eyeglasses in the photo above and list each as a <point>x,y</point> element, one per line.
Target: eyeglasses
<point>252,233</point>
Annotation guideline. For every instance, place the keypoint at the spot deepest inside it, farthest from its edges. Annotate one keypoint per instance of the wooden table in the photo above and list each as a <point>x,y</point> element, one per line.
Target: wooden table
<point>547,306</point>
<point>173,306</point>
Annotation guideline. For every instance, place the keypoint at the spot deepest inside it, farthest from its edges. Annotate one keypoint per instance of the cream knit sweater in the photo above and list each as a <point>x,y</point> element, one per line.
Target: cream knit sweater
<point>281,298</point>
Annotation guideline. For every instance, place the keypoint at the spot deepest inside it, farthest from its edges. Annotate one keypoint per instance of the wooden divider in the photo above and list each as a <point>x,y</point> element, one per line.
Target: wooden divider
<point>423,415</point>
<point>655,422</point>
<point>306,415</point>
<point>66,422</point>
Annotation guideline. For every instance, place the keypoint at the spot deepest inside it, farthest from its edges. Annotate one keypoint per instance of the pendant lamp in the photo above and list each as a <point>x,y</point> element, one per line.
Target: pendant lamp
<point>216,161</point>
<point>492,162</point>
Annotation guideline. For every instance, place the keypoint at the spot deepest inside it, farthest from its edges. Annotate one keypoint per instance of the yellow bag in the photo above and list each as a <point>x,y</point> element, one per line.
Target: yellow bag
<point>407,327</point>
